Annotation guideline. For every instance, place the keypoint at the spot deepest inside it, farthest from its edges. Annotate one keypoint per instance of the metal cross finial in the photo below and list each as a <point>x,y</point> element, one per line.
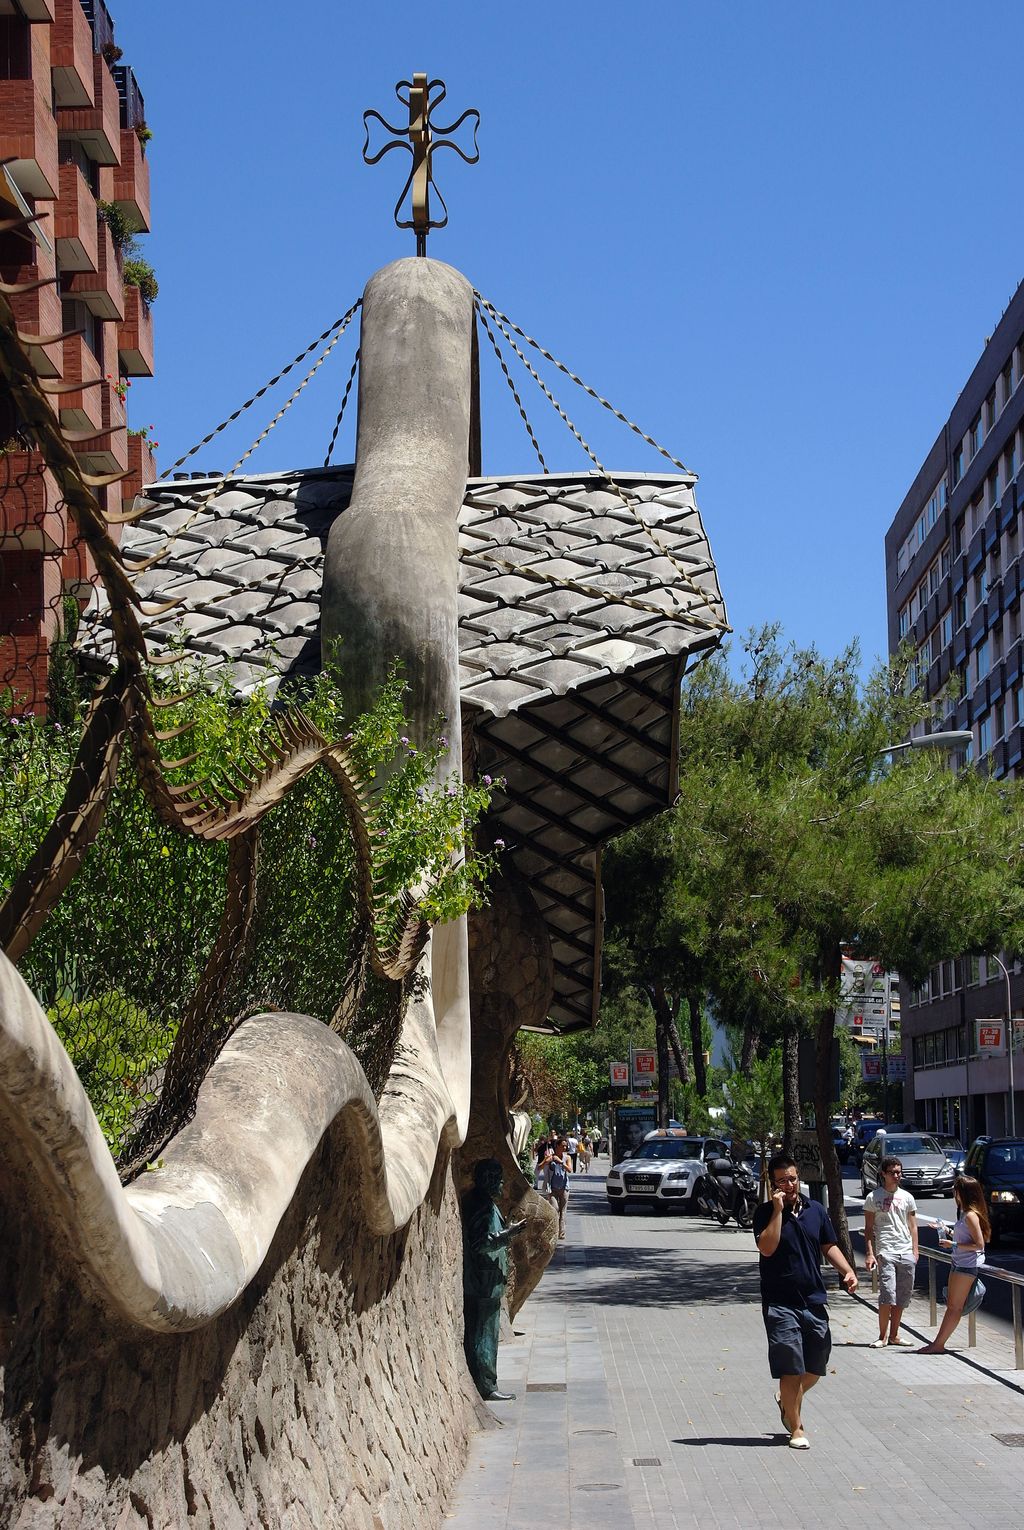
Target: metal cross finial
<point>422,145</point>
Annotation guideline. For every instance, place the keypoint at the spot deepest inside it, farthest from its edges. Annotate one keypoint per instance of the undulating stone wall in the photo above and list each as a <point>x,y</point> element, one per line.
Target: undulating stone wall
<point>333,1393</point>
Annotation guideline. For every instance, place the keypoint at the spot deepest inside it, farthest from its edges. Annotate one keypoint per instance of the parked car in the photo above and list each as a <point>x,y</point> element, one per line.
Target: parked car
<point>953,1149</point>
<point>926,1169</point>
<point>998,1162</point>
<point>663,1172</point>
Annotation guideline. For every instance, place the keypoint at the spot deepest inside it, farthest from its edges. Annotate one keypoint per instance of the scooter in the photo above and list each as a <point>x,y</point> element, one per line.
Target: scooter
<point>729,1190</point>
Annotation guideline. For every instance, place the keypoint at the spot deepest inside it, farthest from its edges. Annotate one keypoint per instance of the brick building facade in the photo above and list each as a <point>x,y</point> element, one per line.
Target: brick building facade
<point>72,139</point>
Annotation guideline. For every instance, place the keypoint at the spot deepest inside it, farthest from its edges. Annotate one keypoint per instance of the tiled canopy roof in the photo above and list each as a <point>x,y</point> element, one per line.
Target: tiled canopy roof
<point>579,606</point>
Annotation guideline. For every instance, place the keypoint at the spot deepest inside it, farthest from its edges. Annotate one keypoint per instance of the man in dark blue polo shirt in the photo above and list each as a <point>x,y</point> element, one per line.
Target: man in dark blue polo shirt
<point>792,1233</point>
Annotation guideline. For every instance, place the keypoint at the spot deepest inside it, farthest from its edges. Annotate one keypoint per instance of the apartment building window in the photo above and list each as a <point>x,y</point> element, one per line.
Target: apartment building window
<point>922,528</point>
<point>999,720</point>
<point>985,734</point>
<point>944,563</point>
<point>1007,382</point>
<point>1014,617</point>
<point>922,595</point>
<point>958,538</point>
<point>980,587</point>
<point>994,565</point>
<point>993,488</point>
<point>977,514</point>
<point>904,621</point>
<point>933,577</point>
<point>943,495</point>
<point>976,435</point>
<point>961,610</point>
<point>1010,460</point>
<point>946,630</point>
<point>958,465</point>
<point>990,411</point>
<point>981,659</point>
<point>972,967</point>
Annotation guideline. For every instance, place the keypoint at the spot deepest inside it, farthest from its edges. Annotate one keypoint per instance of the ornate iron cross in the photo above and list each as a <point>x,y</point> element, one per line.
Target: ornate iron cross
<point>419,140</point>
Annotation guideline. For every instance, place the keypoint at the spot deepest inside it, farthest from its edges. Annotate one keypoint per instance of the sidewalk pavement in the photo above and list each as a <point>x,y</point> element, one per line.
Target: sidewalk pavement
<point>644,1401</point>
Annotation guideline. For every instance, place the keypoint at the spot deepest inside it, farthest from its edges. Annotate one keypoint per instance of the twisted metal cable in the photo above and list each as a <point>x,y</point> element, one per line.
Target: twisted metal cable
<point>344,401</point>
<point>508,378</point>
<point>342,322</point>
<point>200,502</point>
<point>503,318</point>
<point>630,501</point>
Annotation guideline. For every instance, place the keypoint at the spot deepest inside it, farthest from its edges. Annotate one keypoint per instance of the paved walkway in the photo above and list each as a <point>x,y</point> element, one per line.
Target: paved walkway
<point>644,1402</point>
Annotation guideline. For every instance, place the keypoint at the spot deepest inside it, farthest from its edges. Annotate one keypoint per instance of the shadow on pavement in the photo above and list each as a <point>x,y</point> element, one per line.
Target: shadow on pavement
<point>665,1278</point>
<point>745,1442</point>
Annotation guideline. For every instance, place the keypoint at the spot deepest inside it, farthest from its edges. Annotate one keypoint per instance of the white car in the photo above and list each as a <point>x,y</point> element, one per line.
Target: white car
<point>664,1171</point>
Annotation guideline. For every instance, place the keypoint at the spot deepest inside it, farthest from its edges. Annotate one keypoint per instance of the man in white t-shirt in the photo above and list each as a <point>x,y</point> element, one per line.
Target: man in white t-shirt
<point>574,1148</point>
<point>890,1241</point>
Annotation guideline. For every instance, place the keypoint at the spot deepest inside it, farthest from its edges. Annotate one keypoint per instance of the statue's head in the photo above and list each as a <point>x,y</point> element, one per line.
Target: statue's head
<point>487,1176</point>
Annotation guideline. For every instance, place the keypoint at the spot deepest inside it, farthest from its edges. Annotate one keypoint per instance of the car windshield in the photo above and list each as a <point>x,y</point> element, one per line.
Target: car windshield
<point>950,1144</point>
<point>678,1147</point>
<point>900,1147</point>
<point>1006,1159</point>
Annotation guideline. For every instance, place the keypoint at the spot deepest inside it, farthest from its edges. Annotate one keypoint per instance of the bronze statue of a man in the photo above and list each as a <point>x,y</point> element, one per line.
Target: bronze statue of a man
<point>485,1240</point>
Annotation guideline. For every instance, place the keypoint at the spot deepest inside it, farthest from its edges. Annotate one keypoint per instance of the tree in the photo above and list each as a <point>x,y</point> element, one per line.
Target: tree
<point>790,839</point>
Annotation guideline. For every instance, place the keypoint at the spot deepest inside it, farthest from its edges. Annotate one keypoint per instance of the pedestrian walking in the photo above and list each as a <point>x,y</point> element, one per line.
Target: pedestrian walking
<point>584,1158</point>
<point>557,1168</point>
<point>792,1233</point>
<point>890,1242</point>
<point>573,1145</point>
<point>544,1146</point>
<point>971,1231</point>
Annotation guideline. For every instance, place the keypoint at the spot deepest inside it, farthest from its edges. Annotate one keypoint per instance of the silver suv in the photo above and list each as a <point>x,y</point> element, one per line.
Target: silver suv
<point>664,1171</point>
<point>926,1169</point>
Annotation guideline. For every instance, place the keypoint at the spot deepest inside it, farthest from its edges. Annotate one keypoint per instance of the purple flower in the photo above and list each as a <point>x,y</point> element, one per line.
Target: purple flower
<point>403,739</point>
<point>311,841</point>
<point>486,780</point>
<point>348,738</point>
<point>15,721</point>
<point>443,741</point>
<point>451,791</point>
<point>421,794</point>
<point>499,844</point>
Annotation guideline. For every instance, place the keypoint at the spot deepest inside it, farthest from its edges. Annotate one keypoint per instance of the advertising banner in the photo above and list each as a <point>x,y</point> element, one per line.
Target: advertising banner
<point>870,1066</point>
<point>864,996</point>
<point>619,1074</point>
<point>897,1065</point>
<point>632,1123</point>
<point>990,1038</point>
<point>645,1068</point>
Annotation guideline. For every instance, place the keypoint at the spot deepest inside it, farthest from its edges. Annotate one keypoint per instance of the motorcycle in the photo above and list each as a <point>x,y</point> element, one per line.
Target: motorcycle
<point>729,1190</point>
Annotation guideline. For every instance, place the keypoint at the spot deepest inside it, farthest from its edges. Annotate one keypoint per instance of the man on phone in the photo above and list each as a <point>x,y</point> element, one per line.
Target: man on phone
<point>792,1234</point>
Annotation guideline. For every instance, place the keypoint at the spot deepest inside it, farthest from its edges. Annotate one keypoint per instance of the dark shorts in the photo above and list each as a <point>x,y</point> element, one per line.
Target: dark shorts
<point>799,1340</point>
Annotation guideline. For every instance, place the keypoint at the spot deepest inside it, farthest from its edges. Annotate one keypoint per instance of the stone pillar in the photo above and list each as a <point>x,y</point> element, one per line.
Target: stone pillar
<point>510,986</point>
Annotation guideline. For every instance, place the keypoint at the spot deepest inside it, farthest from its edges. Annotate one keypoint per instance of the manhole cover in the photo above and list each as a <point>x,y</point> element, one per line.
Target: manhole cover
<point>1010,1439</point>
<point>593,1431</point>
<point>598,1487</point>
<point>646,1460</point>
<point>545,1386</point>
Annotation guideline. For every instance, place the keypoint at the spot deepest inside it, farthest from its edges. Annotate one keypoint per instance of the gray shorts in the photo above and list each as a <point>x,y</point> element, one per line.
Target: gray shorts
<point>895,1283</point>
<point>799,1340</point>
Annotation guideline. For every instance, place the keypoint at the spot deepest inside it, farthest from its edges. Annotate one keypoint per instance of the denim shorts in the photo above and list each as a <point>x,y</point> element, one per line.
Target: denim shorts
<point>799,1340</point>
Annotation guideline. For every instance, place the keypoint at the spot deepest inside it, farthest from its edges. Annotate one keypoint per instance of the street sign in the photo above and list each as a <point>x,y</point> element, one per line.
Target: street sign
<point>645,1067</point>
<point>807,1157</point>
<point>870,1066</point>
<point>990,1038</point>
<point>619,1074</point>
<point>897,1067</point>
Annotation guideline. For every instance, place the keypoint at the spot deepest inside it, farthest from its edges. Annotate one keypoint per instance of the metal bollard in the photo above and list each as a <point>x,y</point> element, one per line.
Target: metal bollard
<point>933,1309</point>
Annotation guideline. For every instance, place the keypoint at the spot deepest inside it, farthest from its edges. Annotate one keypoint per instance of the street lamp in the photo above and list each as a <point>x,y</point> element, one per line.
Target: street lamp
<point>1009,1040</point>
<point>956,738</point>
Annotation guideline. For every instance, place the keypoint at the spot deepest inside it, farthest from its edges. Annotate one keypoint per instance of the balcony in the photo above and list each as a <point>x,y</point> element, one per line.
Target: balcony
<point>38,312</point>
<point>135,336</point>
<point>100,290</point>
<point>96,128</point>
<point>71,54</point>
<point>133,106</point>
<point>81,410</point>
<point>37,10</point>
<point>131,180</point>
<point>32,513</point>
<point>28,139</point>
<point>100,22</point>
<point>74,224</point>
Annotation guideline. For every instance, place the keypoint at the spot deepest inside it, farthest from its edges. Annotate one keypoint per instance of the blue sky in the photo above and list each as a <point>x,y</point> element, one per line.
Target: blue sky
<point>776,235</point>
